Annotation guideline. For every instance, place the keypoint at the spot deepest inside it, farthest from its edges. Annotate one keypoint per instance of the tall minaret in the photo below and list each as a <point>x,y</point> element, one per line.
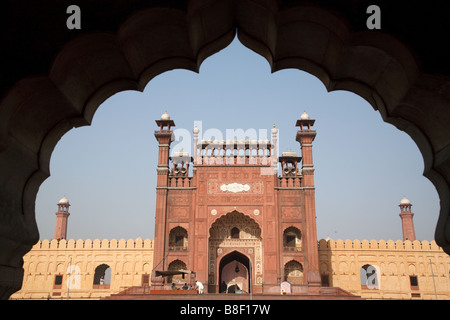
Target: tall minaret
<point>61,219</point>
<point>165,137</point>
<point>306,136</point>
<point>407,220</point>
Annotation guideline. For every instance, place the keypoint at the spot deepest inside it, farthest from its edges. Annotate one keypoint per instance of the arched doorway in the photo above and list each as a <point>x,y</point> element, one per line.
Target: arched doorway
<point>235,246</point>
<point>293,272</point>
<point>235,273</point>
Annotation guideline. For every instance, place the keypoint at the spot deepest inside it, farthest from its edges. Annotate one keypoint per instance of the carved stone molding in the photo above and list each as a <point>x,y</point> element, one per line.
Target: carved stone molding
<point>235,187</point>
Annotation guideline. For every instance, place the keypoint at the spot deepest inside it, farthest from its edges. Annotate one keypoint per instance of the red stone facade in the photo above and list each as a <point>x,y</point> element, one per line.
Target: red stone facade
<point>228,215</point>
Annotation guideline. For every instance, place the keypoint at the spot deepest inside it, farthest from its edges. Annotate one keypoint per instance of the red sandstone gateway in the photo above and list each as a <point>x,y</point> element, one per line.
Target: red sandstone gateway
<point>237,224</point>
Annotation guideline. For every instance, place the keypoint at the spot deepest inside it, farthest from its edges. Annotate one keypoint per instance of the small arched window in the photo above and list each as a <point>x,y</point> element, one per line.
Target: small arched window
<point>178,239</point>
<point>292,239</point>
<point>369,277</point>
<point>102,276</point>
<point>235,233</point>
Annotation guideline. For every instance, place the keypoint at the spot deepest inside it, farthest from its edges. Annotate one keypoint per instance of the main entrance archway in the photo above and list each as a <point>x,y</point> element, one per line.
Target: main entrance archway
<point>235,273</point>
<point>235,245</point>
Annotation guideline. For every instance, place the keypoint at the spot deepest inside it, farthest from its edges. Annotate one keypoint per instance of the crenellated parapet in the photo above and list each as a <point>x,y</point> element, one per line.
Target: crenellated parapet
<point>379,244</point>
<point>323,244</point>
<point>93,244</point>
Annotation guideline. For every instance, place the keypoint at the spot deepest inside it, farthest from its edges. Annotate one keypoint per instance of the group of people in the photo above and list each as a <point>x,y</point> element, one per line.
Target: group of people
<point>198,286</point>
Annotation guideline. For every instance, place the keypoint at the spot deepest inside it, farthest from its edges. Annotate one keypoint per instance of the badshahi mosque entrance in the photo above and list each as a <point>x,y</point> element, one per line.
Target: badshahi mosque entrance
<point>234,273</point>
<point>235,254</point>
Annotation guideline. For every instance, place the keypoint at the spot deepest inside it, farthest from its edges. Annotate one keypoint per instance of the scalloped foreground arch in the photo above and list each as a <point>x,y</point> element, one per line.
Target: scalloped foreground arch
<point>40,108</point>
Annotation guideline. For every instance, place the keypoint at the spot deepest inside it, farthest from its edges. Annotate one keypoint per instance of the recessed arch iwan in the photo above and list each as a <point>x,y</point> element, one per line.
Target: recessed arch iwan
<point>38,110</point>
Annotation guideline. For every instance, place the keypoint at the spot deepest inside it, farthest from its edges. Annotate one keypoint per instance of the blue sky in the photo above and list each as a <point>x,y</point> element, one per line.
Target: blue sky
<point>363,166</point>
